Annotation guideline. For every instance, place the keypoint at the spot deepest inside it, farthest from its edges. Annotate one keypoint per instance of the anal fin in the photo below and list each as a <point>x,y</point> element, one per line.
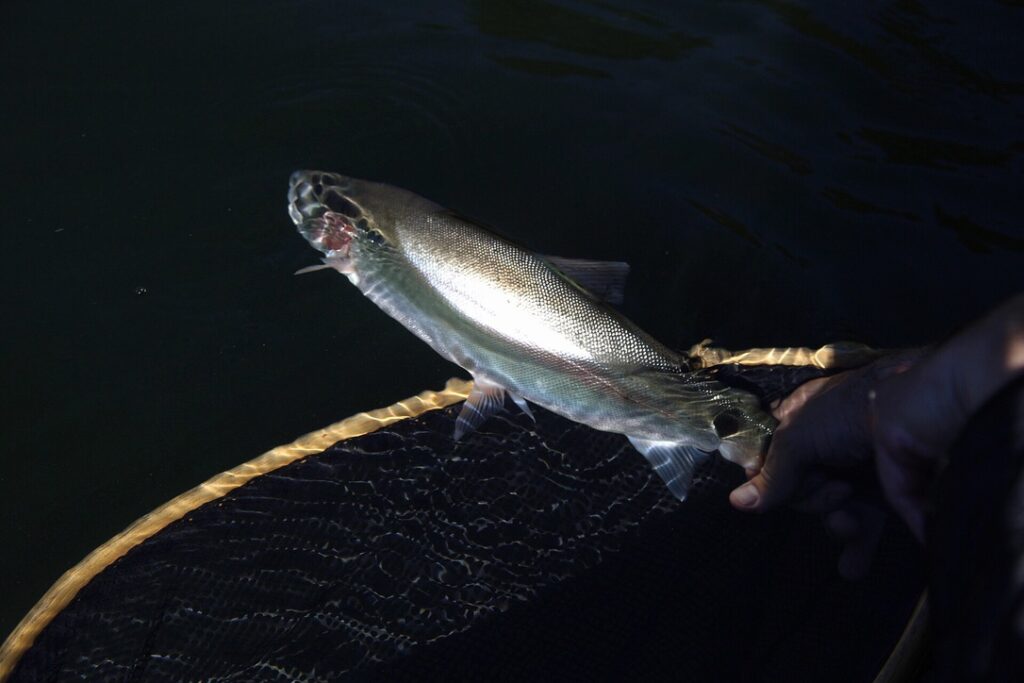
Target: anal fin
<point>675,463</point>
<point>483,401</point>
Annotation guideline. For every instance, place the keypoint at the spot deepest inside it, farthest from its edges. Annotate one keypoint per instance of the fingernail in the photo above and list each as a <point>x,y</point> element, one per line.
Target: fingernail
<point>746,496</point>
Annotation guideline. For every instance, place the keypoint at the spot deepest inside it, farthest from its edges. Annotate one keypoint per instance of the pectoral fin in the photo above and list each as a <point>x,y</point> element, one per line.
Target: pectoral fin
<point>675,463</point>
<point>313,269</point>
<point>604,279</point>
<point>338,263</point>
<point>483,401</point>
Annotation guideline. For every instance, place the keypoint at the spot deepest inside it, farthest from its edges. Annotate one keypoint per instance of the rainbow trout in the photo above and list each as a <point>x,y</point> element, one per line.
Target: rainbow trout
<point>534,328</point>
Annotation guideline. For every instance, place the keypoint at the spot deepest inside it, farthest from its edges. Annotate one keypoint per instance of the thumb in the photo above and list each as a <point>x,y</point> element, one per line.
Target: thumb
<point>769,488</point>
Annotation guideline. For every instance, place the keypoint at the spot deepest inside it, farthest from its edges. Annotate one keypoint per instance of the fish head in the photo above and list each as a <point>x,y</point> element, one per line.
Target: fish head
<point>744,433</point>
<point>348,219</point>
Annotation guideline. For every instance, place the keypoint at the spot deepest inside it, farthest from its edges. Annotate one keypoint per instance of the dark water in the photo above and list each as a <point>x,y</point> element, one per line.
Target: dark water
<point>776,172</point>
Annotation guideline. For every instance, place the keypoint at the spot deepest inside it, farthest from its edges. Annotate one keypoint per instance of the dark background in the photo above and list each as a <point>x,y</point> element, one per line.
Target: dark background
<point>777,173</point>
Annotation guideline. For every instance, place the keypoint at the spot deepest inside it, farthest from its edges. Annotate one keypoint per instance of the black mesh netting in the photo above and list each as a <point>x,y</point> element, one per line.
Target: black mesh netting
<point>378,555</point>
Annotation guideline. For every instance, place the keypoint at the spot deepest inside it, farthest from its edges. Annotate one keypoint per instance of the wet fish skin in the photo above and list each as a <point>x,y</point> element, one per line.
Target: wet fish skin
<point>519,324</point>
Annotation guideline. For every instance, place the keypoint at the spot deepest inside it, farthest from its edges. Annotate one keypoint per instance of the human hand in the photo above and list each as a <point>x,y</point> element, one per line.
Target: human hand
<point>918,414</point>
<point>900,413</point>
<point>821,460</point>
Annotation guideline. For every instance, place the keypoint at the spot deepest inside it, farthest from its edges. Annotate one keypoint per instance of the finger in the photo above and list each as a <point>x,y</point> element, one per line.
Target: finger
<point>855,559</point>
<point>916,521</point>
<point>913,513</point>
<point>843,524</point>
<point>905,490</point>
<point>826,497</point>
<point>772,486</point>
<point>796,400</point>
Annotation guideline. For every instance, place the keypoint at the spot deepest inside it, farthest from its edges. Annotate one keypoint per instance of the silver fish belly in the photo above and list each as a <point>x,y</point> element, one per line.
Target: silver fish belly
<point>525,325</point>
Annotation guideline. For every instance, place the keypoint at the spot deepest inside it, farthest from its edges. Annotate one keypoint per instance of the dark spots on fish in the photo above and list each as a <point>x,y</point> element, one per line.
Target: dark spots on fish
<point>726,424</point>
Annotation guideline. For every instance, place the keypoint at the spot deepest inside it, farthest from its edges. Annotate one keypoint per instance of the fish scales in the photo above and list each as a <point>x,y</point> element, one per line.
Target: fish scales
<point>520,324</point>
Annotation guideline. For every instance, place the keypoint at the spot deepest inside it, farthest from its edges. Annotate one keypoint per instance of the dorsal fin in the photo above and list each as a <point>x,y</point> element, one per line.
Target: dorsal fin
<point>604,279</point>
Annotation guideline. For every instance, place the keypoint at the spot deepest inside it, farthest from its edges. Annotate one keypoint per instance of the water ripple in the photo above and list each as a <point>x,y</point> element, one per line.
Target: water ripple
<point>583,33</point>
<point>370,91</point>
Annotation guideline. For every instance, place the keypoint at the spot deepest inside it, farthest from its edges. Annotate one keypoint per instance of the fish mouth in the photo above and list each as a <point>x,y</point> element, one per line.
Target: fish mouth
<point>749,456</point>
<point>313,193</point>
<point>746,446</point>
<point>319,206</point>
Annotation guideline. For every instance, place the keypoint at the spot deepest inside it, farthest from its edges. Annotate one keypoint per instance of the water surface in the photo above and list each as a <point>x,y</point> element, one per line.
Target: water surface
<point>776,172</point>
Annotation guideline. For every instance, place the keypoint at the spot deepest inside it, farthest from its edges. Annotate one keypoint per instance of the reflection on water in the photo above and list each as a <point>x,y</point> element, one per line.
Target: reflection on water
<point>844,200</point>
<point>975,237</point>
<point>790,159</point>
<point>909,149</point>
<point>909,61</point>
<point>727,221</point>
<point>778,172</point>
<point>635,36</point>
<point>376,102</point>
<point>545,67</point>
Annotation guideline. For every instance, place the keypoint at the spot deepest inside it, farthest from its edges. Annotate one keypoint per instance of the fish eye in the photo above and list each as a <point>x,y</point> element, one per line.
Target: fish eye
<point>726,424</point>
<point>373,235</point>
